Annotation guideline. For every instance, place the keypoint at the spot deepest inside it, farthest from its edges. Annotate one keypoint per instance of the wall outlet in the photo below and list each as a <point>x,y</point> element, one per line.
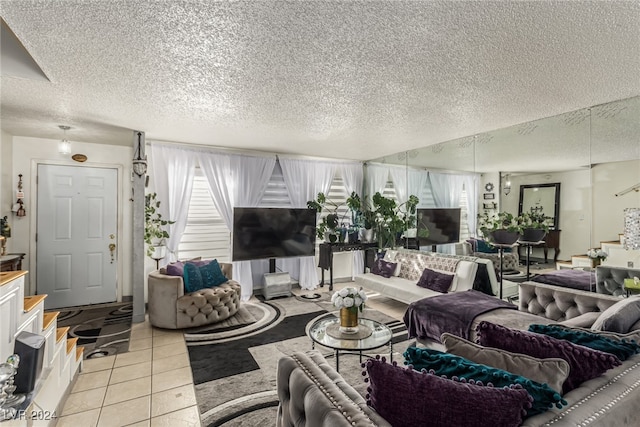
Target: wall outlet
<point>630,264</point>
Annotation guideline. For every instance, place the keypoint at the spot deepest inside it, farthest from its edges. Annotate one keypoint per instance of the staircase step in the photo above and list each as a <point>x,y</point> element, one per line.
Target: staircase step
<point>31,302</point>
<point>71,342</point>
<point>61,333</point>
<point>48,318</point>
<point>79,352</point>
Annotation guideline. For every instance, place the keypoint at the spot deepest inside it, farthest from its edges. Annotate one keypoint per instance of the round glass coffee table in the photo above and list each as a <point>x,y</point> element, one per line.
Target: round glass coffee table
<point>380,336</point>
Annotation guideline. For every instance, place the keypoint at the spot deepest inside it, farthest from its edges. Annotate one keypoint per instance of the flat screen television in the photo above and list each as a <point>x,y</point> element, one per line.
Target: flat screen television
<point>260,233</point>
<point>443,225</point>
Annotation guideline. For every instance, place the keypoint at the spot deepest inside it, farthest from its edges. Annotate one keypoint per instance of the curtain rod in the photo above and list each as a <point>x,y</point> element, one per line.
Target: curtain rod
<point>635,188</point>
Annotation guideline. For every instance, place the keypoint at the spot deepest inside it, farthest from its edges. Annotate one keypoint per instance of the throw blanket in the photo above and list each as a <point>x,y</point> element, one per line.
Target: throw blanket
<point>453,313</point>
<point>575,279</point>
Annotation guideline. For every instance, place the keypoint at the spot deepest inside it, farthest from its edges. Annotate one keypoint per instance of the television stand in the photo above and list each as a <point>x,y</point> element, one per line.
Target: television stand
<point>275,284</point>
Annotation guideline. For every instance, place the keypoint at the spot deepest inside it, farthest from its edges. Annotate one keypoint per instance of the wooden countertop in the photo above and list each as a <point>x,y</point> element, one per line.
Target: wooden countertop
<point>9,276</point>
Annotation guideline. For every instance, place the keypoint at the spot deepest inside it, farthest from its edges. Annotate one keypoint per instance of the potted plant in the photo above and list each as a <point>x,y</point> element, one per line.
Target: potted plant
<point>502,228</point>
<point>154,227</point>
<point>327,229</point>
<point>392,219</point>
<point>349,300</point>
<point>354,203</point>
<point>596,256</point>
<point>535,225</point>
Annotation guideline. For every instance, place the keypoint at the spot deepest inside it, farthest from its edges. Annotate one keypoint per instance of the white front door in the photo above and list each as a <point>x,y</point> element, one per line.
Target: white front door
<point>76,235</point>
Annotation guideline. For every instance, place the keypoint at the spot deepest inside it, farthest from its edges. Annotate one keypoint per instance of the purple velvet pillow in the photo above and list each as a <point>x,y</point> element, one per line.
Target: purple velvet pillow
<point>584,363</point>
<point>175,269</point>
<point>383,268</point>
<point>435,280</point>
<point>405,397</point>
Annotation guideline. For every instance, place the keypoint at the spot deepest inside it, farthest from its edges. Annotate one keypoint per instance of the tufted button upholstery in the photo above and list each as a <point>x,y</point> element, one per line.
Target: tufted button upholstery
<point>610,280</point>
<point>560,304</point>
<point>171,308</point>
<point>209,305</point>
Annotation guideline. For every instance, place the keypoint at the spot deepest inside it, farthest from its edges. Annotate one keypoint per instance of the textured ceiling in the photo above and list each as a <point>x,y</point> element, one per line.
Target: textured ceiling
<point>343,79</point>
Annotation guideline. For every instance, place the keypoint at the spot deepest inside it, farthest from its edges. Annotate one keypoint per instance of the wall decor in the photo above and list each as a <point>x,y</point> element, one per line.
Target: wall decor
<point>492,205</point>
<point>489,196</point>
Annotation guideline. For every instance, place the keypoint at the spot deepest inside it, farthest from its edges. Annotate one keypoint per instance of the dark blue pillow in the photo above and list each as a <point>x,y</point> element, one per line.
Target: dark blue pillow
<point>544,397</point>
<point>487,248</point>
<point>198,277</point>
<point>622,349</point>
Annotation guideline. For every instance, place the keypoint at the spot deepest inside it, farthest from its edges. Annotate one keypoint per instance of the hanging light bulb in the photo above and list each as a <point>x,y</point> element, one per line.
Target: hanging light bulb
<point>64,146</point>
<point>507,185</point>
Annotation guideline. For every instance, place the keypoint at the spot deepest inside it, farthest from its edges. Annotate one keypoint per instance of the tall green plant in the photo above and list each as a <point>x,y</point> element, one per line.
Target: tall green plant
<point>154,224</point>
<point>393,219</point>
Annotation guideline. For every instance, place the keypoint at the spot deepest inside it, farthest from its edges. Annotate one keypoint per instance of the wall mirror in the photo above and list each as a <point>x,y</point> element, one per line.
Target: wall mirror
<point>541,199</point>
<point>593,152</point>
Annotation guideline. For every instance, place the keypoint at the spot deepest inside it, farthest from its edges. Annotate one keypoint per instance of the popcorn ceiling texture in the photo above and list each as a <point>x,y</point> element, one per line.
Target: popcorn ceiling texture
<point>348,79</point>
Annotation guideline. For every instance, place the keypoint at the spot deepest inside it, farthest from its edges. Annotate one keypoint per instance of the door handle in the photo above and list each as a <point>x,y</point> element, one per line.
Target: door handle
<point>112,248</point>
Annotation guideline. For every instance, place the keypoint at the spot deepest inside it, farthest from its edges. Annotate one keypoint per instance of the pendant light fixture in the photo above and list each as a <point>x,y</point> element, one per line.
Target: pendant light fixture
<point>139,163</point>
<point>64,146</point>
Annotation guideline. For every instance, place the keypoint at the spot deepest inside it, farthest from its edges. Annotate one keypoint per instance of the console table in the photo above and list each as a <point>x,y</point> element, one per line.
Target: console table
<point>550,241</point>
<point>325,259</point>
<point>11,262</point>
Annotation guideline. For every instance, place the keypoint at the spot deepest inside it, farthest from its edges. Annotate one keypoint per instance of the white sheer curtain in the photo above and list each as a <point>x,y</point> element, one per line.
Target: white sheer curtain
<point>353,177</point>
<point>408,182</point>
<point>304,180</point>
<point>236,180</point>
<point>471,188</point>
<point>172,169</point>
<point>446,190</point>
<point>377,176</point>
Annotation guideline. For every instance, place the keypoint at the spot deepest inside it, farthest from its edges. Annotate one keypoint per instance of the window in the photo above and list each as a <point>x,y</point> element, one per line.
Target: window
<point>206,234</point>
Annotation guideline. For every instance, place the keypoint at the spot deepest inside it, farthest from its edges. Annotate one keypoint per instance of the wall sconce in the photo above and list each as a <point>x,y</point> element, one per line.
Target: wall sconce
<point>139,164</point>
<point>507,185</point>
<point>632,228</point>
<point>64,146</point>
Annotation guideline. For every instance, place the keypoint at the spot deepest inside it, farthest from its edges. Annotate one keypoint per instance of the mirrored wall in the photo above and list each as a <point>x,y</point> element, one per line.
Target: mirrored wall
<point>593,153</point>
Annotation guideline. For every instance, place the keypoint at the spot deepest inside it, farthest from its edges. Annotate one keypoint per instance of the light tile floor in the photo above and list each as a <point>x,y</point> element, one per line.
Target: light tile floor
<point>151,385</point>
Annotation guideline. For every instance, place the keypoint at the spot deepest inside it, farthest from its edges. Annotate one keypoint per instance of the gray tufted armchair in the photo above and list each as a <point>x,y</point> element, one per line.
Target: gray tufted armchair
<point>169,307</point>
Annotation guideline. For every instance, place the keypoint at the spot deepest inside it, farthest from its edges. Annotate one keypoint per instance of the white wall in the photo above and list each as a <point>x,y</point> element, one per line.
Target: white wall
<point>27,153</point>
<point>608,210</point>
<point>6,171</point>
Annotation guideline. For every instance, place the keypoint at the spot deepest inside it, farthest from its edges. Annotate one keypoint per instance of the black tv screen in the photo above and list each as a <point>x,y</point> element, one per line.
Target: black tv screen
<point>443,225</point>
<point>260,233</point>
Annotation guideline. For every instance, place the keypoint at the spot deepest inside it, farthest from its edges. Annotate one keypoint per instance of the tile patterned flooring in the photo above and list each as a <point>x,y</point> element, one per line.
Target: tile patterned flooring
<point>151,385</point>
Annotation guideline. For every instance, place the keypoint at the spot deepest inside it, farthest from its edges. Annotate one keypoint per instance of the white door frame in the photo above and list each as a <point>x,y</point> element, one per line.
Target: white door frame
<point>33,220</point>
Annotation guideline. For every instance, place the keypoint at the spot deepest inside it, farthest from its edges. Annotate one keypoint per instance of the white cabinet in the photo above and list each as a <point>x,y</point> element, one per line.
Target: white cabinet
<point>11,307</point>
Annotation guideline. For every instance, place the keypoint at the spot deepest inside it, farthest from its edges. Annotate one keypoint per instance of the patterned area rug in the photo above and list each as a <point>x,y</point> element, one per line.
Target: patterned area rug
<point>234,369</point>
<point>103,329</point>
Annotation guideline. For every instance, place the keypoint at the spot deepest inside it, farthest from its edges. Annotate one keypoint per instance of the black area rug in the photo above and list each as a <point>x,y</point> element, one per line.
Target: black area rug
<point>234,371</point>
<point>102,329</point>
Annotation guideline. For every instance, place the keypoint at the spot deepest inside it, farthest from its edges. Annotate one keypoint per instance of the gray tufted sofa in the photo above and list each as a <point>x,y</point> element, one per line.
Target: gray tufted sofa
<point>313,394</point>
<point>610,280</point>
<point>169,307</point>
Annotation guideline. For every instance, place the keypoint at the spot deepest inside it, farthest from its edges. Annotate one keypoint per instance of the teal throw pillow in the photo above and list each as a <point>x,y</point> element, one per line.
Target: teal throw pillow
<point>455,367</point>
<point>200,276</point>
<point>622,349</point>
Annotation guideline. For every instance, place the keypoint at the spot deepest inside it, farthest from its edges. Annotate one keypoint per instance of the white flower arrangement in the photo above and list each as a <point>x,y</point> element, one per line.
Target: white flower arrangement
<point>597,254</point>
<point>348,298</point>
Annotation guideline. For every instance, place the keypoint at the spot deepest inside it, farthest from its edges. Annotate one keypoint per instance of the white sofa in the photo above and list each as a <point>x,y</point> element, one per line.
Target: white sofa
<point>403,287</point>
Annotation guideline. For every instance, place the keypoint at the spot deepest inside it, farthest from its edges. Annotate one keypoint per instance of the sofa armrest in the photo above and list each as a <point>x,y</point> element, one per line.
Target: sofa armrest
<point>559,303</point>
<point>313,394</point>
<point>163,293</point>
<point>227,269</point>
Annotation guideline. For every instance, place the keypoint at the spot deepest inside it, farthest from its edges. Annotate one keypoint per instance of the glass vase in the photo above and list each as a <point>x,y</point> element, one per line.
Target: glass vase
<point>349,320</point>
